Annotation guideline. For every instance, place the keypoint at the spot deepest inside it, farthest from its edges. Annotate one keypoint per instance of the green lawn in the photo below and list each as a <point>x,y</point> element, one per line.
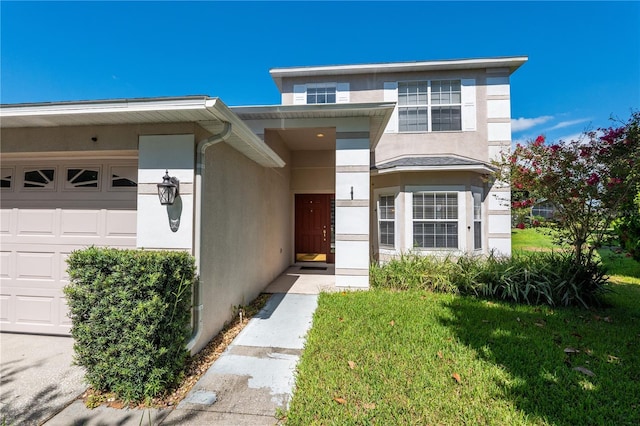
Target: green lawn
<point>532,239</point>
<point>621,268</point>
<point>381,357</point>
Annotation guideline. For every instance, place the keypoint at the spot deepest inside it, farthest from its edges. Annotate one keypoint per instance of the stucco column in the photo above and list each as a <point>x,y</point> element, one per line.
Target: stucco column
<point>165,227</point>
<point>499,139</point>
<point>352,208</point>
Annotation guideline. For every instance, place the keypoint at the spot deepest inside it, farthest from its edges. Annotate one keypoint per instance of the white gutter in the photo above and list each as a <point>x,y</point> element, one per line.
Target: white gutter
<point>197,243</point>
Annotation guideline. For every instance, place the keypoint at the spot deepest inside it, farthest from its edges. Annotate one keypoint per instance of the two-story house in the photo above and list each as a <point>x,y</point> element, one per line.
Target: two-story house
<point>358,163</point>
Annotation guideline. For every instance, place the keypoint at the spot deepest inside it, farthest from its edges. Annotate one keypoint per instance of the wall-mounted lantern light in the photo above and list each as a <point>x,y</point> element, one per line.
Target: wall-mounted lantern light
<point>168,189</point>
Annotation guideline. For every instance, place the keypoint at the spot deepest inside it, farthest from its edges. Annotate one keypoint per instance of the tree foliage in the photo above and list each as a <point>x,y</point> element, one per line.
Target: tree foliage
<point>588,181</point>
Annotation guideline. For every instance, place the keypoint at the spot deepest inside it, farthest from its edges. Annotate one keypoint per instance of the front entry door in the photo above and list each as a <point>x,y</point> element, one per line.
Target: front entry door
<point>314,230</point>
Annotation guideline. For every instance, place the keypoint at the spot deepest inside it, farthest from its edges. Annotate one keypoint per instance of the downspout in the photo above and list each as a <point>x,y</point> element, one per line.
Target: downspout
<point>198,190</point>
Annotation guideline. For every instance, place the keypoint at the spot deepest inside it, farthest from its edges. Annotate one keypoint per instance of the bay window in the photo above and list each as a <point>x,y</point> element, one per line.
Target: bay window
<point>386,221</point>
<point>477,221</point>
<point>435,220</point>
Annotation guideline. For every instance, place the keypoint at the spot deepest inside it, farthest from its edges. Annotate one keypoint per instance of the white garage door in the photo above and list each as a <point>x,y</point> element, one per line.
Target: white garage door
<point>50,208</point>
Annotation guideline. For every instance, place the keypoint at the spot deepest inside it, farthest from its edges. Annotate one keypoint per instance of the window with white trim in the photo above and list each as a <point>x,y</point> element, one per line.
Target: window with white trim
<point>477,221</point>
<point>413,106</point>
<point>387,221</point>
<point>321,95</point>
<point>430,106</point>
<point>435,220</point>
<point>446,105</point>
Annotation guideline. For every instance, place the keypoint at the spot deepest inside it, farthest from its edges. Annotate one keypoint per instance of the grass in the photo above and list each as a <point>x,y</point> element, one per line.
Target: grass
<point>406,346</point>
<point>621,268</point>
<point>532,239</point>
<point>415,357</point>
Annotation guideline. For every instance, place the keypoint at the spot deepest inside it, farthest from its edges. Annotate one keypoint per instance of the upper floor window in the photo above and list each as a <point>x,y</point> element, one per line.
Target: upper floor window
<point>432,105</point>
<point>429,106</point>
<point>413,106</point>
<point>321,95</point>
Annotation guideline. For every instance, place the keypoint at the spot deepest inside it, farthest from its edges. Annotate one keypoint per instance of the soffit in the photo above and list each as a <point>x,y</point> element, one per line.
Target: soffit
<point>308,139</point>
<point>377,113</point>
<point>209,113</point>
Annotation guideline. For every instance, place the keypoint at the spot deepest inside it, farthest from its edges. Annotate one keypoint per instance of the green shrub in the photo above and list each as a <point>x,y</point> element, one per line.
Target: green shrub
<point>538,278</point>
<point>552,278</point>
<point>130,312</point>
<point>412,271</point>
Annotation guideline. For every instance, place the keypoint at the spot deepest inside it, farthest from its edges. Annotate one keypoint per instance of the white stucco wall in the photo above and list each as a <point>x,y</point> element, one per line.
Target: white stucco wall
<point>246,232</point>
<point>157,154</point>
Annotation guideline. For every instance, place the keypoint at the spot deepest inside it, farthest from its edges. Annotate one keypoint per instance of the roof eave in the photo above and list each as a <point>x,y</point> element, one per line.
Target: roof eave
<point>43,115</point>
<point>267,157</point>
<point>477,168</point>
<point>510,62</point>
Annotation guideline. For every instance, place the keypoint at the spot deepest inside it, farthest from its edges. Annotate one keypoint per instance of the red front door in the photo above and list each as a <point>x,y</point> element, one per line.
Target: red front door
<point>313,227</point>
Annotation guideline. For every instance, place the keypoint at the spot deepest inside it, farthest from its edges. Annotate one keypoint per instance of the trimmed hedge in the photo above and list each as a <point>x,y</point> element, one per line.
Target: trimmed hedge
<point>130,312</point>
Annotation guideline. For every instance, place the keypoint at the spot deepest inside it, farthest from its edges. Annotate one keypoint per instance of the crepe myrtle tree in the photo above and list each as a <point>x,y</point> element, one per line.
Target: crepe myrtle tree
<point>587,181</point>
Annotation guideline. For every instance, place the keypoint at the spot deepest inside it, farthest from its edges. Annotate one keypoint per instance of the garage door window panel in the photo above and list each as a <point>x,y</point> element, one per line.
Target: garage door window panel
<point>40,178</point>
<point>123,178</point>
<point>86,178</point>
<point>6,178</point>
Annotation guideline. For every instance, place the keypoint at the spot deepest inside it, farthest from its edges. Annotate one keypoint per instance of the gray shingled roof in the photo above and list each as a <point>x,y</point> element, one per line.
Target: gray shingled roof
<point>428,161</point>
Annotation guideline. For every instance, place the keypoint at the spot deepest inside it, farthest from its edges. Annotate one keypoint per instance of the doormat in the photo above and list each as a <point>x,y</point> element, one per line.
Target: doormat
<point>314,268</point>
<point>311,257</point>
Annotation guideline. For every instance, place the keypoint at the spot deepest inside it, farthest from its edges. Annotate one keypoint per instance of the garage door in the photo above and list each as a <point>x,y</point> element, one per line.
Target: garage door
<point>48,210</point>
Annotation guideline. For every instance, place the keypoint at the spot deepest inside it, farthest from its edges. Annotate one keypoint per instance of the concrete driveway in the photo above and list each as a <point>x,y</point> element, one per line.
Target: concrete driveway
<point>37,379</point>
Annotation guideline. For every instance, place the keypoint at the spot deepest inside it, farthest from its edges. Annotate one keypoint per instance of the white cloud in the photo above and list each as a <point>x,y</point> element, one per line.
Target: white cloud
<point>519,124</point>
<point>569,123</point>
<point>579,137</point>
<point>571,137</point>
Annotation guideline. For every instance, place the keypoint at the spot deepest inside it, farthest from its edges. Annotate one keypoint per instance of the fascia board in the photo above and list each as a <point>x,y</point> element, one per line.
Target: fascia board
<point>511,62</point>
<point>97,107</point>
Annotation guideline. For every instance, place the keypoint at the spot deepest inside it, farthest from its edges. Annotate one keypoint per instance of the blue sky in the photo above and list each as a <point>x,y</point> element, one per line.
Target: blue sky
<point>584,57</point>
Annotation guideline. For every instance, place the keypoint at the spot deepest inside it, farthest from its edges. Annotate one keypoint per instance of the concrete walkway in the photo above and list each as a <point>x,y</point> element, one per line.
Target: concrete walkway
<point>255,375</point>
<point>250,381</point>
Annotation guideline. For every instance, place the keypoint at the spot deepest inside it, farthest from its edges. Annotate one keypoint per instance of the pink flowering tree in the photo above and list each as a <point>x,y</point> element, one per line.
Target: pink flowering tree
<point>586,180</point>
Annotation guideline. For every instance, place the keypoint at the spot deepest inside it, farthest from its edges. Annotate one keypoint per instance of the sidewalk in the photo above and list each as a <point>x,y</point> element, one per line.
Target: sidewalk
<point>255,376</point>
<point>251,380</point>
